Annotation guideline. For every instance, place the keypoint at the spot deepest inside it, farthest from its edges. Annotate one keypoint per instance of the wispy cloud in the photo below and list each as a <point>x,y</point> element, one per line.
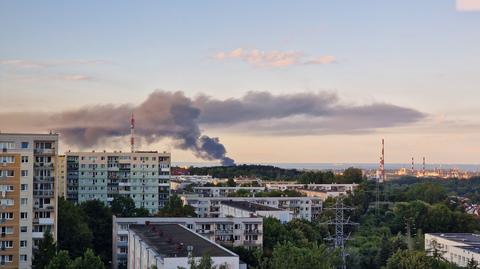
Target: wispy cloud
<point>43,64</point>
<point>76,77</point>
<point>468,5</point>
<point>272,59</point>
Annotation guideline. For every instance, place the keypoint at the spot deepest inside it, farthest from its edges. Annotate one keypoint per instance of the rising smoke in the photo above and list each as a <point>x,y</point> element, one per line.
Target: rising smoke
<point>172,114</point>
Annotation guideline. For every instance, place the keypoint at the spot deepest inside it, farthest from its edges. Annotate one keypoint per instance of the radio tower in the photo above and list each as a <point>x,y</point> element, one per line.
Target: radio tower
<point>382,161</point>
<point>132,133</point>
<point>340,222</point>
<point>380,177</point>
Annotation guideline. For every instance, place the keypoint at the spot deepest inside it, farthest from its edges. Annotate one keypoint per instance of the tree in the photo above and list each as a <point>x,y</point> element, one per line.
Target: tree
<point>123,206</point>
<point>44,252</point>
<point>352,175</point>
<point>408,259</point>
<point>231,183</point>
<point>74,235</point>
<point>472,264</point>
<point>205,262</point>
<point>60,261</point>
<point>287,256</point>
<point>175,208</point>
<point>99,220</point>
<point>88,261</point>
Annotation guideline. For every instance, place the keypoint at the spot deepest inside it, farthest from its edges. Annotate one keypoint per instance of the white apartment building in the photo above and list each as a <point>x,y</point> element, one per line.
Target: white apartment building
<point>344,188</point>
<point>247,232</point>
<point>242,209</point>
<point>28,190</point>
<point>142,175</point>
<point>308,208</point>
<point>170,246</point>
<point>458,248</point>
<point>225,191</point>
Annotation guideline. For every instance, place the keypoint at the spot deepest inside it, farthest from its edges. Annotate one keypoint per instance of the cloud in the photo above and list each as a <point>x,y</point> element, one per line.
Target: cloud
<point>468,5</point>
<point>44,64</point>
<point>76,77</point>
<point>273,59</point>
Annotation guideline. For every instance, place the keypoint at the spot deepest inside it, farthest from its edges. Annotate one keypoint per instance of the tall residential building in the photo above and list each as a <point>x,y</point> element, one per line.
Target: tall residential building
<point>142,175</point>
<point>28,204</point>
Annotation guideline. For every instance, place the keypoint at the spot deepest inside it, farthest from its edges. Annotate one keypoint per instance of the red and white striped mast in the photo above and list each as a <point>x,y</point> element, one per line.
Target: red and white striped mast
<point>132,133</point>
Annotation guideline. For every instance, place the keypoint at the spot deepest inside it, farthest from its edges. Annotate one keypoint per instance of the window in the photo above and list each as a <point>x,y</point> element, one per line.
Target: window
<point>23,243</point>
<point>24,145</point>
<point>6,215</point>
<point>7,244</point>
<point>7,230</point>
<point>7,145</point>
<point>7,202</point>
<point>23,258</point>
<point>24,159</point>
<point>7,173</point>
<point>24,201</point>
<point>24,187</point>
<point>23,215</point>
<point>23,229</point>
<point>6,258</point>
<point>6,159</point>
<point>24,173</point>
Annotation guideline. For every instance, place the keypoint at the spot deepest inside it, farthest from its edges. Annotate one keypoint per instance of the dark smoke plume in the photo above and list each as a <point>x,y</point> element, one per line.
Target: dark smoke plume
<point>172,114</point>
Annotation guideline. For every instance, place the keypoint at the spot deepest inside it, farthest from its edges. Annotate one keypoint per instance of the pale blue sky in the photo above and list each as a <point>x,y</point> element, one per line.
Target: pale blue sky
<point>418,54</point>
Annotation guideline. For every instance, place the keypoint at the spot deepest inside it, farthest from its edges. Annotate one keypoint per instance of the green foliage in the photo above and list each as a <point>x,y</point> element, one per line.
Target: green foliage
<point>60,261</point>
<point>175,208</point>
<point>408,259</point>
<point>88,261</point>
<point>44,252</point>
<point>231,183</point>
<point>99,220</point>
<point>74,235</point>
<point>264,172</point>
<point>124,206</point>
<point>288,255</point>
<point>205,262</point>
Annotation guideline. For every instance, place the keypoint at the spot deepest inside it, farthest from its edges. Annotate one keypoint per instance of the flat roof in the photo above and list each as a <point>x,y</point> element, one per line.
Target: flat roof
<point>248,206</point>
<point>464,238</point>
<point>475,249</point>
<point>171,240</point>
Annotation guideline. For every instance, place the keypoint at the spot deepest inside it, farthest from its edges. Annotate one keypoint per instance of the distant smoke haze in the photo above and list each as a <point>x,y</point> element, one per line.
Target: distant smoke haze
<point>174,115</point>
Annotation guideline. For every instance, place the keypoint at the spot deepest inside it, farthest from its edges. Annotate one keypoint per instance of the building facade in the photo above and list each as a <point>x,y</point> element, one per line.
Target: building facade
<point>225,191</point>
<point>171,246</point>
<point>458,248</point>
<point>61,175</point>
<point>241,209</point>
<point>247,232</point>
<point>142,175</point>
<point>308,208</point>
<point>28,206</point>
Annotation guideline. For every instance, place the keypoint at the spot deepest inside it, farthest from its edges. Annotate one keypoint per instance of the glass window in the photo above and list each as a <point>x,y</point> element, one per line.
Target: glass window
<point>24,145</point>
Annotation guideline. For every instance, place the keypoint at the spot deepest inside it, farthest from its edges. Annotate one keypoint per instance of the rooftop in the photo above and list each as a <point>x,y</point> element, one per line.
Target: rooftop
<point>475,249</point>
<point>171,240</point>
<point>252,207</point>
<point>464,238</point>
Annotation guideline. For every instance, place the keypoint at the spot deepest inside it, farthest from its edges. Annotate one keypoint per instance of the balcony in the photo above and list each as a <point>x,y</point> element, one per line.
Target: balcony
<point>37,235</point>
<point>43,193</point>
<point>46,221</point>
<point>43,151</point>
<point>252,232</point>
<point>224,232</point>
<point>251,243</point>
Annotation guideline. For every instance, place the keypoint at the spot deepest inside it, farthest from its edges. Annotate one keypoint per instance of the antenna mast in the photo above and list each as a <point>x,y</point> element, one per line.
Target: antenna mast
<point>132,133</point>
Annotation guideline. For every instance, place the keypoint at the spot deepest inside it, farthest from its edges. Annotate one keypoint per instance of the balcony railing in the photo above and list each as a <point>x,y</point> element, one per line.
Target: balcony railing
<point>252,232</point>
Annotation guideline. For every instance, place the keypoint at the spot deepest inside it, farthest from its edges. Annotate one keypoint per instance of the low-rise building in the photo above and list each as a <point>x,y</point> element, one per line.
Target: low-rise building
<point>247,232</point>
<point>242,209</point>
<point>344,188</point>
<point>458,248</point>
<point>225,191</point>
<point>170,246</point>
<point>308,208</point>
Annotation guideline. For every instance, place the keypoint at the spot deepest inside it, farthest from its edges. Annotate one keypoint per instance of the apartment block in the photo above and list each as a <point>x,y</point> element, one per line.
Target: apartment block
<point>458,248</point>
<point>239,209</point>
<point>142,175</point>
<point>171,246</point>
<point>61,175</point>
<point>308,208</point>
<point>225,191</point>
<point>247,232</point>
<point>28,194</point>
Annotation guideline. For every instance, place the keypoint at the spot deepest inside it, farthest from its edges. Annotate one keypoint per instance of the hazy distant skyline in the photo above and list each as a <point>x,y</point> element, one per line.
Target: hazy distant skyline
<point>415,62</point>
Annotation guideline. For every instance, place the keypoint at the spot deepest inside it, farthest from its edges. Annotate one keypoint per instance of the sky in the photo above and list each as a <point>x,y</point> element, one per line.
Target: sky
<point>274,81</point>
